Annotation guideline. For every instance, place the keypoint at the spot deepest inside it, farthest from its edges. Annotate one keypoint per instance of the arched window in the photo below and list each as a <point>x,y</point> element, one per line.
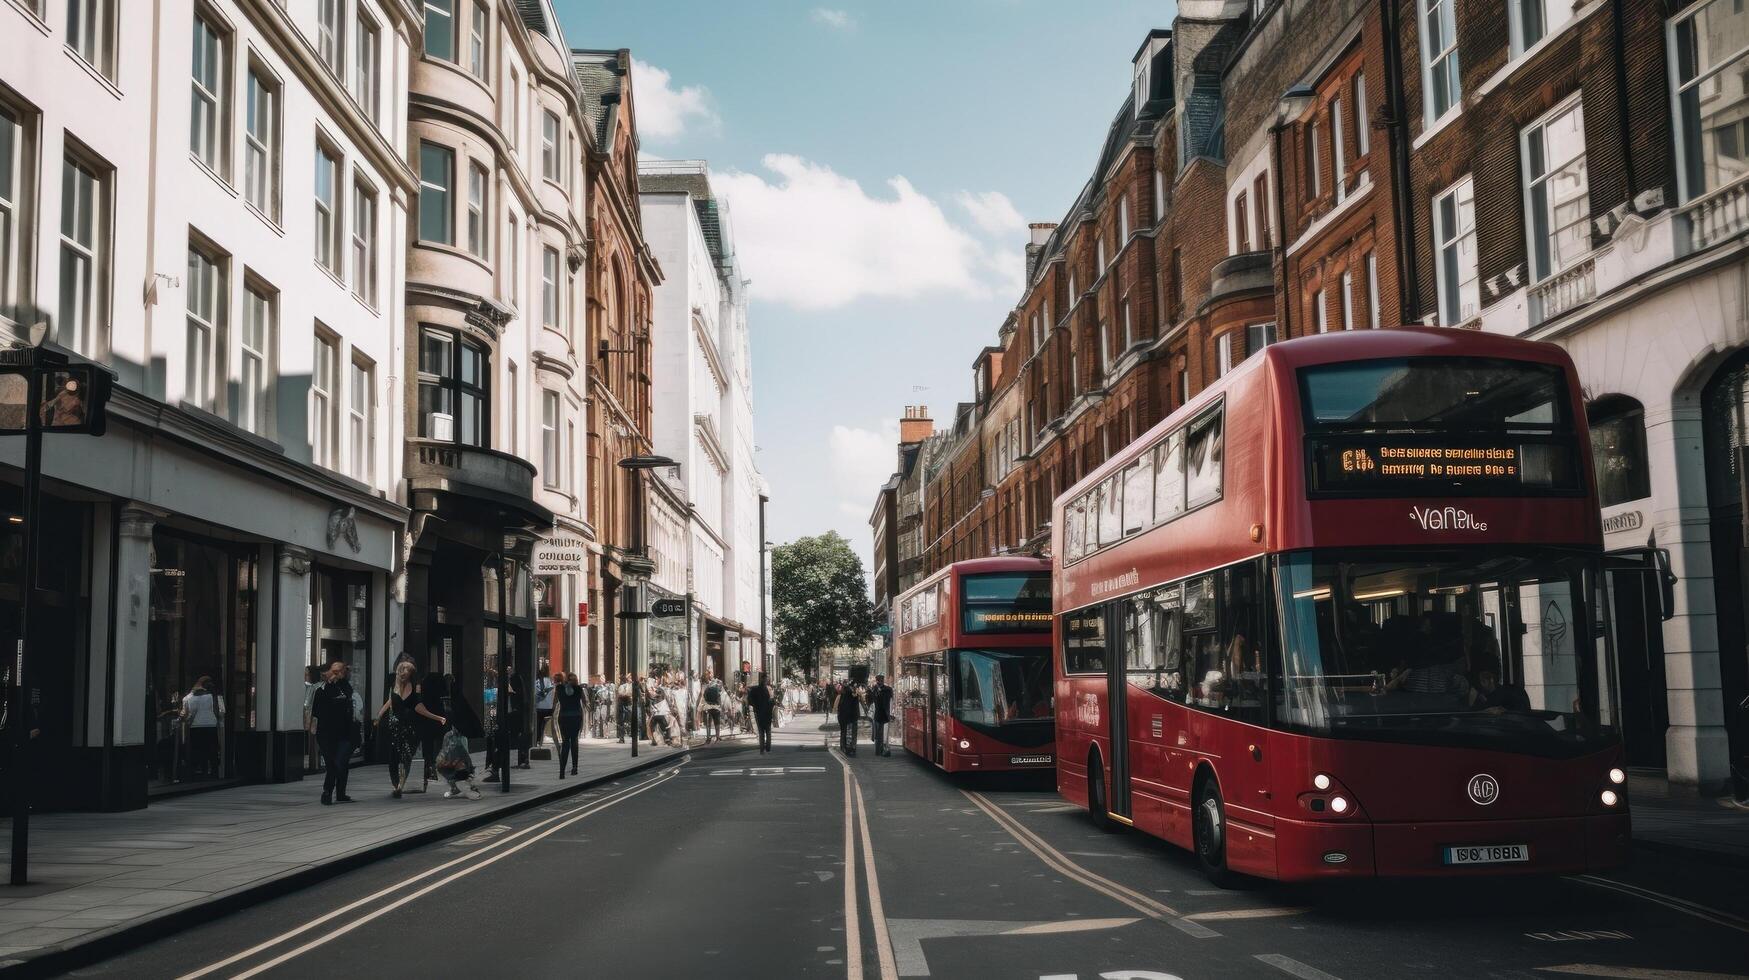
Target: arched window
<point>1618,449</point>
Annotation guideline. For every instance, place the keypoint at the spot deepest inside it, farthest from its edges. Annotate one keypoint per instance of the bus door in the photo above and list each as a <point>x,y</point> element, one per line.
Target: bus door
<point>935,719</point>
<point>1120,618</point>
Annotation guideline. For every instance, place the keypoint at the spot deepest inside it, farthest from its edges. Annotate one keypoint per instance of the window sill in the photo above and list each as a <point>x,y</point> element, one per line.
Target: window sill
<point>271,222</point>
<point>31,16</point>
<point>331,274</point>
<point>1517,61</point>
<point>214,174</point>
<point>97,74</point>
<point>368,304</point>
<point>1437,126</point>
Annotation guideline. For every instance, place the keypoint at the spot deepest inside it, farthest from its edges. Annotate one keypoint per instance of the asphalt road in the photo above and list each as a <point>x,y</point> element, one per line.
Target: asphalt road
<point>734,864</point>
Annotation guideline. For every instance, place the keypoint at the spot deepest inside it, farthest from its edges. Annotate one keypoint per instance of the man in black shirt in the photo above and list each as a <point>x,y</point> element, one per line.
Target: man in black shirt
<point>880,700</point>
<point>331,718</point>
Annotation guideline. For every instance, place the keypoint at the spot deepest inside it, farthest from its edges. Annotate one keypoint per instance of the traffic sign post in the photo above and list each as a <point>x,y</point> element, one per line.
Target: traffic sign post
<point>41,390</point>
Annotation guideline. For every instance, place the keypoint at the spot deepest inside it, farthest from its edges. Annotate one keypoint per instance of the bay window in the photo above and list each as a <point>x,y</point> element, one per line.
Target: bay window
<point>440,29</point>
<point>436,181</point>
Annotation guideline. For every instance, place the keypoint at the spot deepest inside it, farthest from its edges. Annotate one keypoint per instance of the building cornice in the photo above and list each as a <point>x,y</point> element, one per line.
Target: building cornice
<point>210,434</point>
<point>711,357</point>
<point>707,436</point>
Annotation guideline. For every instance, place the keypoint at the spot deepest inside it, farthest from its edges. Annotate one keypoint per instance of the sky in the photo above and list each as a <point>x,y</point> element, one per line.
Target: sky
<point>881,162</point>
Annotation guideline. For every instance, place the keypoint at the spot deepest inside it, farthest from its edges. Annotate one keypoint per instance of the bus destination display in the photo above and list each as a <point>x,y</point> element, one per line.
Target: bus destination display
<point>1382,466</point>
<point>1006,620</point>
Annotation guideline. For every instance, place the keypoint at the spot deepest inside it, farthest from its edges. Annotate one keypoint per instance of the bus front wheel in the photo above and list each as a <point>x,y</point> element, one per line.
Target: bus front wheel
<point>1096,806</point>
<point>1211,835</point>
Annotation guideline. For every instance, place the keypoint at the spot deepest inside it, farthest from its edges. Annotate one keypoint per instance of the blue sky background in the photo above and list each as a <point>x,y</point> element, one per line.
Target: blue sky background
<point>881,161</point>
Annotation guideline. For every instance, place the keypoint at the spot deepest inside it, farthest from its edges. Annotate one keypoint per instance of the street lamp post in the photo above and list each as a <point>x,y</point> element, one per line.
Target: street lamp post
<point>771,665</point>
<point>638,568</point>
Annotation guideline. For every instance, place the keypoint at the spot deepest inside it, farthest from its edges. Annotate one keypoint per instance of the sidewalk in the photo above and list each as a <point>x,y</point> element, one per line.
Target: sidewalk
<point>101,881</point>
<point>1701,827</point>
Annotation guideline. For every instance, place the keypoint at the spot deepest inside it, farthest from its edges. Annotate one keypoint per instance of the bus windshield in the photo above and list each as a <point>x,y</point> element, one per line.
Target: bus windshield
<point>1006,602</point>
<point>1002,687</point>
<point>1486,650</point>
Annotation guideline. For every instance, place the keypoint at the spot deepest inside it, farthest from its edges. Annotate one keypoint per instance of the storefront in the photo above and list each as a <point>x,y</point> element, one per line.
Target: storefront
<point>666,640</point>
<point>191,575</point>
<point>201,654</point>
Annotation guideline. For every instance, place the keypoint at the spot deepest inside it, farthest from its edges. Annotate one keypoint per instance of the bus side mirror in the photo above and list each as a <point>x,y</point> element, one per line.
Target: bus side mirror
<point>1666,584</point>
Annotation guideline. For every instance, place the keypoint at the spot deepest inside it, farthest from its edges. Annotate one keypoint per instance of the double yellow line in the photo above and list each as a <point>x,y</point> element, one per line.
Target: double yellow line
<point>855,828</point>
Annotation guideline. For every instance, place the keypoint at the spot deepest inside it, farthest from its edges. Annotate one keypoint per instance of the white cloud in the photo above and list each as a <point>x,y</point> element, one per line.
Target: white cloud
<point>815,239</point>
<point>861,461</point>
<point>666,112</point>
<point>838,20</point>
<point>992,211</point>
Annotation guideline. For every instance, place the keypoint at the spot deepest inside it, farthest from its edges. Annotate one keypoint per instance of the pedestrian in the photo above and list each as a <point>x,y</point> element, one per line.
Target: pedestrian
<point>713,709</point>
<point>402,713</point>
<point>880,699</point>
<point>460,723</point>
<point>570,696</point>
<point>332,719</point>
<point>543,706</point>
<point>849,711</point>
<point>659,716</point>
<point>760,700</point>
<point>600,706</point>
<point>429,725</point>
<point>622,702</point>
<point>202,710</point>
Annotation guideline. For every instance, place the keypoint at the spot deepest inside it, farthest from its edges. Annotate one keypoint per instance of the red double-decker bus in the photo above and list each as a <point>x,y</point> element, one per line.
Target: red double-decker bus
<point>973,645</point>
<point>1344,614</point>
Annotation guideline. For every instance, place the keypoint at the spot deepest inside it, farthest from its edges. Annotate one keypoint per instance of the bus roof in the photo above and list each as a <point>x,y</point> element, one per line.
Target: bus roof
<point>976,566</point>
<point>1333,348</point>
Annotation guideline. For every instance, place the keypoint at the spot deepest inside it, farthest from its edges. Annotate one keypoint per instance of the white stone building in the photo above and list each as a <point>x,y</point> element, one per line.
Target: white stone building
<point>211,198</point>
<point>703,413</point>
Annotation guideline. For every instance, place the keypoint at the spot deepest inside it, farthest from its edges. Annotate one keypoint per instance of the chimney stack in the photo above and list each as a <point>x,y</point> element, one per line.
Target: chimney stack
<point>1041,231</point>
<point>916,426</point>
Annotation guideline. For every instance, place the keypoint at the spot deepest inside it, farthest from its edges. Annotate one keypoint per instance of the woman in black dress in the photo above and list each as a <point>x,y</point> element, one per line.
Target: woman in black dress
<point>403,713</point>
<point>568,698</point>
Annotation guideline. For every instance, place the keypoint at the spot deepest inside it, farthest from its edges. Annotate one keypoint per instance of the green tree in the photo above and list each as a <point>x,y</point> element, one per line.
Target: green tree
<point>819,599</point>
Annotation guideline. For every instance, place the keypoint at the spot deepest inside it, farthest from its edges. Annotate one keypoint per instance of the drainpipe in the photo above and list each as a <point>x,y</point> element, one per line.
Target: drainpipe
<point>1619,49</point>
<point>1409,301</point>
<point>1285,314</point>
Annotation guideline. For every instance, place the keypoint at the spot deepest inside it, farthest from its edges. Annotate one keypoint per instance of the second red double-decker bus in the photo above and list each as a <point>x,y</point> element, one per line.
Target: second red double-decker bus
<point>1344,614</point>
<point>973,650</point>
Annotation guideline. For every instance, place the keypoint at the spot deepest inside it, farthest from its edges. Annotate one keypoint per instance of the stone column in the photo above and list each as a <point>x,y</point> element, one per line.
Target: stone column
<point>1697,753</point>
<point>125,777</point>
<point>134,560</point>
<point>291,646</point>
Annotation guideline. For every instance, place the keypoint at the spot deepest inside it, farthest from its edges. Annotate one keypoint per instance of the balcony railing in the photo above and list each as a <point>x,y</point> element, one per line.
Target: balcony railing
<point>1563,291</point>
<point>1720,215</point>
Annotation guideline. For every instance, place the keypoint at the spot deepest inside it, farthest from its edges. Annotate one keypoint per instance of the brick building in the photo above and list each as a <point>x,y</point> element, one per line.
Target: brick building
<point>1543,170</point>
<point>621,275</point>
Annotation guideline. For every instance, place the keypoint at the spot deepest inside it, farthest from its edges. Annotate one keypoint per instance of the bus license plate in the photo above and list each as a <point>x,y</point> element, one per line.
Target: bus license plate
<point>1488,854</point>
<point>1029,760</point>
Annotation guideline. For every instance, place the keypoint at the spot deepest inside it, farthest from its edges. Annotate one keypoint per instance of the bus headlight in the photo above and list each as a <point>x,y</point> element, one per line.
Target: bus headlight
<point>1321,781</point>
<point>1339,804</point>
<point>965,744</point>
<point>1609,798</point>
<point>1617,777</point>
